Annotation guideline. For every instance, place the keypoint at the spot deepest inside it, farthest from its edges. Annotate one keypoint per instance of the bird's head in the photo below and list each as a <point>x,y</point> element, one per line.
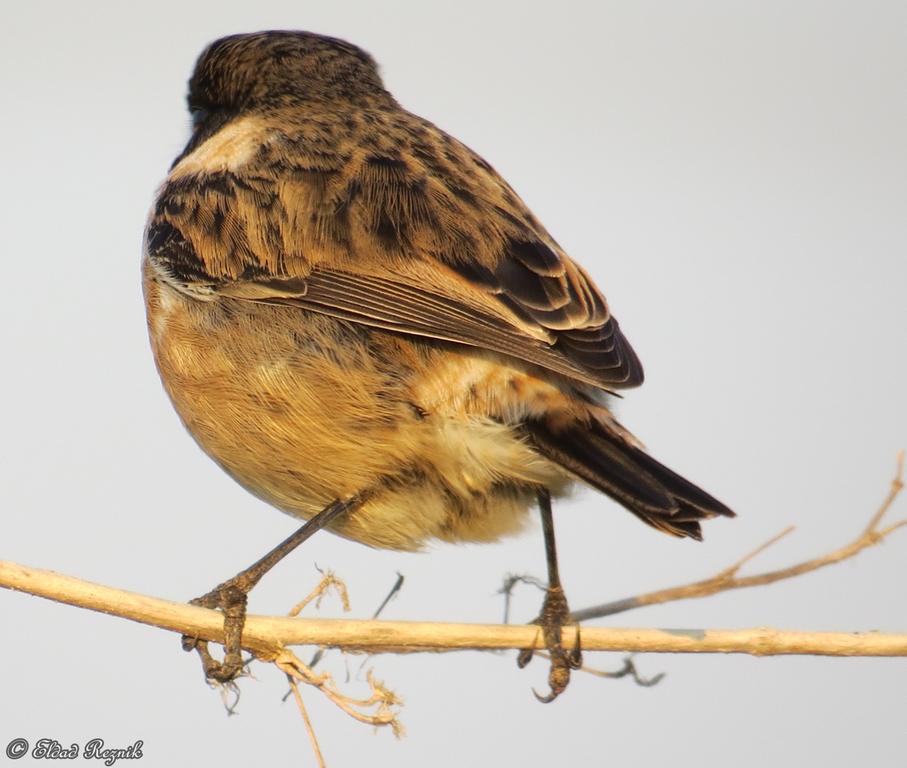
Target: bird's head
<point>272,69</point>
<point>264,72</point>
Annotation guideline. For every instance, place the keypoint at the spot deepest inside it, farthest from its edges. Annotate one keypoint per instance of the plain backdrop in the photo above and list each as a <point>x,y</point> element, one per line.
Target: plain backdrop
<point>734,176</point>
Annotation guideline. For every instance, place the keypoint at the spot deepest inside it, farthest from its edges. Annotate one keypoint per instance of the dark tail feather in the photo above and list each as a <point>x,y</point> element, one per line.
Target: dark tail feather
<point>627,474</point>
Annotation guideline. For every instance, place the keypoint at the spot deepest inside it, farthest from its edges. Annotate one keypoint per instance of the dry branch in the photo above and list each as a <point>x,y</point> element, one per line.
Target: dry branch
<point>728,579</point>
<point>266,636</point>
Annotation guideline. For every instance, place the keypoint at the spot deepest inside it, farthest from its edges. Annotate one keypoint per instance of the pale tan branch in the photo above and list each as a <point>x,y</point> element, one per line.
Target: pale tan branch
<point>728,579</point>
<point>267,636</point>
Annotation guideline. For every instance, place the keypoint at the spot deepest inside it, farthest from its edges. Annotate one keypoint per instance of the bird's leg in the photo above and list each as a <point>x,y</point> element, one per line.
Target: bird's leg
<point>231,596</point>
<point>553,616</point>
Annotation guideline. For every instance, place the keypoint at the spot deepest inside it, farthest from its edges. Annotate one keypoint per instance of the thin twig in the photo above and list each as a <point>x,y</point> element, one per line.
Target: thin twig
<point>728,579</point>
<point>313,739</point>
<point>379,709</point>
<point>328,581</point>
<point>398,585</point>
<point>394,590</point>
<point>510,583</point>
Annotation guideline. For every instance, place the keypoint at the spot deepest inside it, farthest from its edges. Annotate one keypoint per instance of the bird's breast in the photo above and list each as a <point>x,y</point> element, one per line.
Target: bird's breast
<point>302,409</point>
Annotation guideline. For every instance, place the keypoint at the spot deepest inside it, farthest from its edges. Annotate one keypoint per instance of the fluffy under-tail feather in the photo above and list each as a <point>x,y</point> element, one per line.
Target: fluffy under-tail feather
<point>602,457</point>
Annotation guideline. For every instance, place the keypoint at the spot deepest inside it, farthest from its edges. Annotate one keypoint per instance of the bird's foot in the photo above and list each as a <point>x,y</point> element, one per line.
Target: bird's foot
<point>231,598</point>
<point>552,619</point>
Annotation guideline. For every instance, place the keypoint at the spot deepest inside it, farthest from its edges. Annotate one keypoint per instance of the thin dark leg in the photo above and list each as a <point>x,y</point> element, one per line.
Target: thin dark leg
<point>554,577</point>
<point>231,596</point>
<point>555,613</point>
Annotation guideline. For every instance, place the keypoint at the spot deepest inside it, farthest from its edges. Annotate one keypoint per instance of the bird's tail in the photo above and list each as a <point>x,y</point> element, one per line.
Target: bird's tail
<point>599,453</point>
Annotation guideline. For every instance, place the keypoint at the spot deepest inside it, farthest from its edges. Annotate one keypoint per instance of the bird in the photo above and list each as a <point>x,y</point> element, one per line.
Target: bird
<point>364,325</point>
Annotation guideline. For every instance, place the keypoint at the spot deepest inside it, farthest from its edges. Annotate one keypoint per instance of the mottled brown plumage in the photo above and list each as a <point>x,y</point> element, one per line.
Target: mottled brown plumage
<point>343,299</point>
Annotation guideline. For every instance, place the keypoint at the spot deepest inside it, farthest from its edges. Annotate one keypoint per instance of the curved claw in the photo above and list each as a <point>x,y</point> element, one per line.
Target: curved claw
<point>551,621</point>
<point>558,679</point>
<point>189,642</point>
<point>524,657</point>
<point>546,699</point>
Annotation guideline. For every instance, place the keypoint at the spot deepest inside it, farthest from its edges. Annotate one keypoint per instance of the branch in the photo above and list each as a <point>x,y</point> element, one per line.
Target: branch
<point>728,579</point>
<point>267,637</point>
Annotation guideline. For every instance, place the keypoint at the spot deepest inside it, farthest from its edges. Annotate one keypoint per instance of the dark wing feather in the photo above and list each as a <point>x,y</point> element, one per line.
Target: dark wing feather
<point>626,473</point>
<point>550,291</point>
<point>396,306</point>
<point>423,238</point>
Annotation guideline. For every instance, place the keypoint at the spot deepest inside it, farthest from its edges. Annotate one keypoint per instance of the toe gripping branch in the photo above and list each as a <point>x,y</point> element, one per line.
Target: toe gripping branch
<point>554,616</point>
<point>231,597</point>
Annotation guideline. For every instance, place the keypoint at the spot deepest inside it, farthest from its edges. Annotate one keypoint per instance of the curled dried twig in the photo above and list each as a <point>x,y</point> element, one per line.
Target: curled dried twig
<point>380,708</point>
<point>510,583</point>
<point>728,578</point>
<point>328,582</point>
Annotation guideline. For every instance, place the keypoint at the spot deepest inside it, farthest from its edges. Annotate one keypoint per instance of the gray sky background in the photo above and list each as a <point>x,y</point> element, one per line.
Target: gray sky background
<point>733,174</point>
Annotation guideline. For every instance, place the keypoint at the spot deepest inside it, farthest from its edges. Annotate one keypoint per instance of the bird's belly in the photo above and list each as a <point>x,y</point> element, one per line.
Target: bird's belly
<point>300,410</point>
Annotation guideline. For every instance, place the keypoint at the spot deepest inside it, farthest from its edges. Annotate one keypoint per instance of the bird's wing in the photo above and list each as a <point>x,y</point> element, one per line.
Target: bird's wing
<point>421,238</point>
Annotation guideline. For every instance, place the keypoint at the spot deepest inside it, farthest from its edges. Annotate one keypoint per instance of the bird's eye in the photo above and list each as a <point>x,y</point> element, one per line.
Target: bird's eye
<point>199,115</point>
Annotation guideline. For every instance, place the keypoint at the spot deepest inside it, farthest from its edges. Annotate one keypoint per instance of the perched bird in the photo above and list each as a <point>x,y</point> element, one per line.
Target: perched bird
<point>364,325</point>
